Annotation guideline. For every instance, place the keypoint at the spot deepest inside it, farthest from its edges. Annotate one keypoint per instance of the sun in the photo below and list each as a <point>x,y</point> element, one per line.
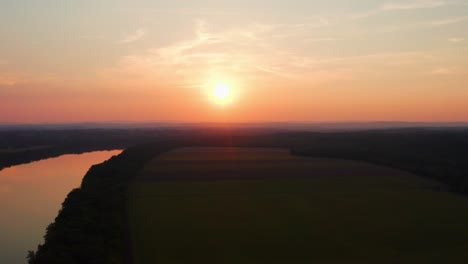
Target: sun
<point>222,93</point>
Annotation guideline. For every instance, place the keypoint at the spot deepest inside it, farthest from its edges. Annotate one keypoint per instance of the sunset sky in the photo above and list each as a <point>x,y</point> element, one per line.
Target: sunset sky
<point>297,60</point>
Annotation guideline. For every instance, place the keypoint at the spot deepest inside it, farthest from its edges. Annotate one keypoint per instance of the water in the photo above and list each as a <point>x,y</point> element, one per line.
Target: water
<point>31,196</point>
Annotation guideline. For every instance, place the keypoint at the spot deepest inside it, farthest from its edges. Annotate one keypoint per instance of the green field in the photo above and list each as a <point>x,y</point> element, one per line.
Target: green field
<point>227,205</point>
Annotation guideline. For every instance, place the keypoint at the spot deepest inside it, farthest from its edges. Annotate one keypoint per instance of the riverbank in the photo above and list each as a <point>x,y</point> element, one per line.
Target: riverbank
<point>31,196</point>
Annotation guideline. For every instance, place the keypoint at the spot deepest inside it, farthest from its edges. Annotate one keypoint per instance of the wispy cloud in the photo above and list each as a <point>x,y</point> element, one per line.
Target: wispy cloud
<point>445,71</point>
<point>311,40</point>
<point>92,36</point>
<point>256,52</point>
<point>14,78</point>
<point>448,21</point>
<point>252,51</point>
<point>456,39</point>
<point>7,79</point>
<point>411,5</point>
<point>135,36</point>
<point>426,24</point>
<point>401,6</point>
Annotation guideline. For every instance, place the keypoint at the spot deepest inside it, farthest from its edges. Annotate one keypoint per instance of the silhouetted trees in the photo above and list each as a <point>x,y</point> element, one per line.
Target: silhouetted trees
<point>91,226</point>
<point>437,154</point>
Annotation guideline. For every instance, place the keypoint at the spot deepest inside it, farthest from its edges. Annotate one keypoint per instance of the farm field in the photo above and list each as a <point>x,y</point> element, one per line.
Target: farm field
<point>234,205</point>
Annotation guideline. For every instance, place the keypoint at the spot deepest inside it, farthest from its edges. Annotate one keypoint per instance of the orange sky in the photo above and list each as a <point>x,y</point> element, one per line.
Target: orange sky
<point>146,61</point>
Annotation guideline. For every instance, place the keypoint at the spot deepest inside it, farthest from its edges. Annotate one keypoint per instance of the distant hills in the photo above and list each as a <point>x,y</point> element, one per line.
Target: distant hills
<point>313,126</point>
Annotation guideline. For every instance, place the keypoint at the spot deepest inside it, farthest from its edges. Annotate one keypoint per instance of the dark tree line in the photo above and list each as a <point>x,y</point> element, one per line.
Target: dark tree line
<point>24,146</point>
<point>438,155</point>
<point>91,226</point>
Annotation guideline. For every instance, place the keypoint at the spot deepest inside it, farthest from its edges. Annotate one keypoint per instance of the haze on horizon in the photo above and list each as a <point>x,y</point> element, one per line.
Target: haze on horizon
<point>314,61</point>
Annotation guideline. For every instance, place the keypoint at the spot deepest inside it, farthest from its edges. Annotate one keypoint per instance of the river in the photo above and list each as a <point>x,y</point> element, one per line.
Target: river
<point>31,196</point>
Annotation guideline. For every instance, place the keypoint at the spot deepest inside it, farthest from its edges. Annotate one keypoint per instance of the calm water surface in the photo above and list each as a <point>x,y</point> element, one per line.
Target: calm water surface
<point>31,195</point>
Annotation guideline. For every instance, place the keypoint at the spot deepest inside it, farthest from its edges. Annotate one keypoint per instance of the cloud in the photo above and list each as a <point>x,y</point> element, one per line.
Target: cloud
<point>421,4</point>
<point>7,80</point>
<point>92,36</point>
<point>12,78</point>
<point>401,6</point>
<point>311,40</point>
<point>135,36</point>
<point>252,51</point>
<point>228,52</point>
<point>456,39</point>
<point>444,71</point>
<point>448,21</point>
<point>255,52</point>
<point>426,24</point>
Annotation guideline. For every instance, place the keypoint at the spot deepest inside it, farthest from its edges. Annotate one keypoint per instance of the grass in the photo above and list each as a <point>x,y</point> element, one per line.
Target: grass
<point>329,211</point>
